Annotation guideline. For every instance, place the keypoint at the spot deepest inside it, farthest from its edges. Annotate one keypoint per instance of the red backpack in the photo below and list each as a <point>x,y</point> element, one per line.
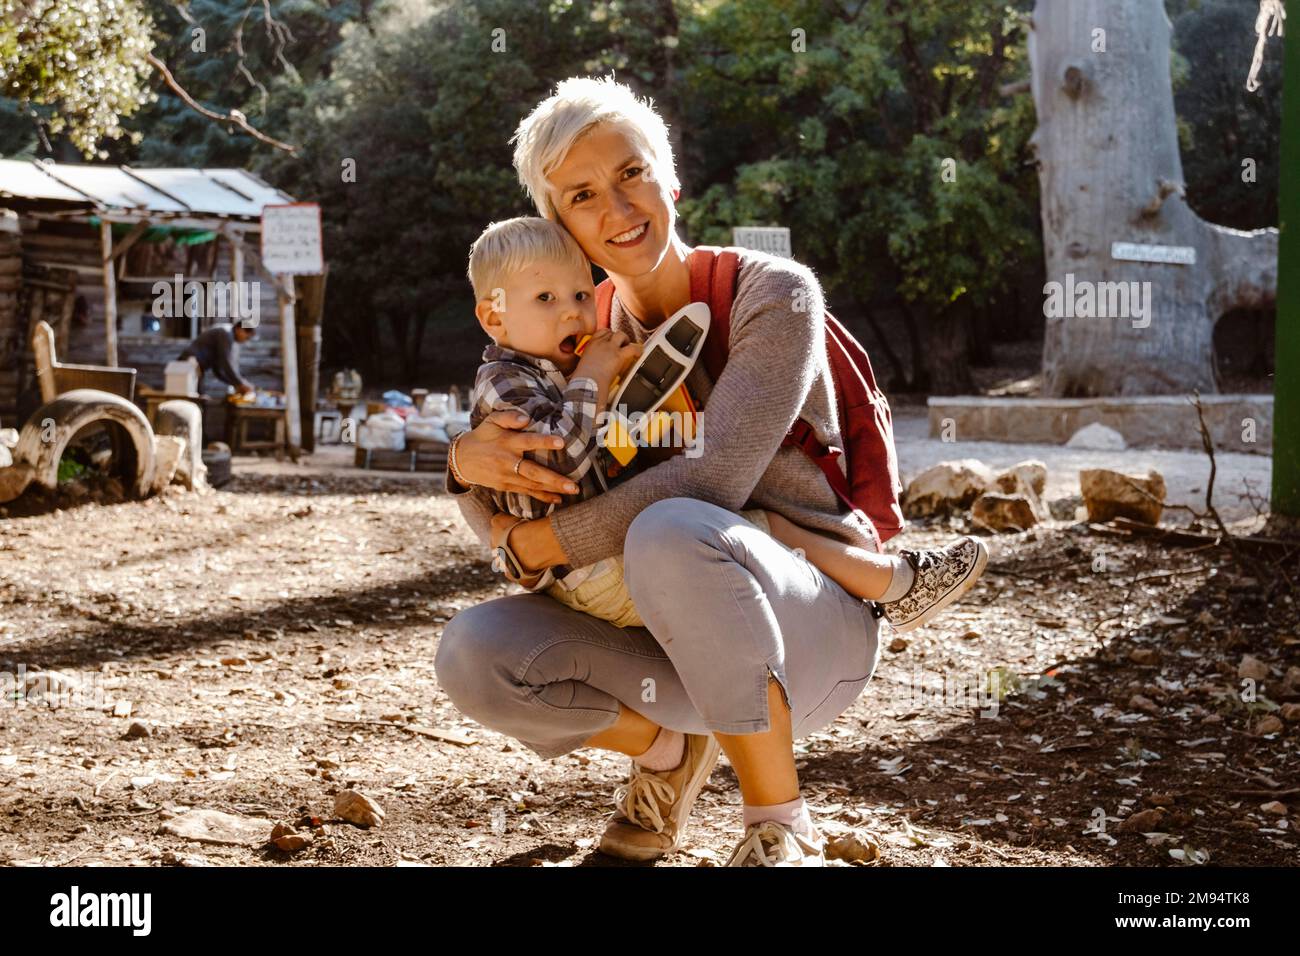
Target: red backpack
<point>872,487</point>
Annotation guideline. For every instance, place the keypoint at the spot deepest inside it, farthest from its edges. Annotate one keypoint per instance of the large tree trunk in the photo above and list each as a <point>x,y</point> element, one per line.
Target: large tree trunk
<point>1110,171</point>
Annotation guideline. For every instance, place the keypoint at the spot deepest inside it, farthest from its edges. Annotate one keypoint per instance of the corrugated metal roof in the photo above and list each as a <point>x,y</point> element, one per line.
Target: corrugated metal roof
<point>212,192</point>
<point>26,181</point>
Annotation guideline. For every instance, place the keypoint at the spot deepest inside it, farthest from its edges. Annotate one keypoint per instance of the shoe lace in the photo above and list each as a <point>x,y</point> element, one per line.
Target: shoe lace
<point>641,797</point>
<point>925,560</point>
<point>785,844</point>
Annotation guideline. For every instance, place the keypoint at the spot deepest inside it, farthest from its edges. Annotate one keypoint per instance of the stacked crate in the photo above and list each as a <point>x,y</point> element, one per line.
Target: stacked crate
<point>417,456</point>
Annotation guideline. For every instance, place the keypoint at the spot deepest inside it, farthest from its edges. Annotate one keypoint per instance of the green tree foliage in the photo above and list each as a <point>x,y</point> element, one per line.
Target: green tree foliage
<point>891,137</point>
<point>845,141</point>
<point>877,132</point>
<point>407,149</point>
<point>80,65</point>
<point>241,54</point>
<point>1221,123</point>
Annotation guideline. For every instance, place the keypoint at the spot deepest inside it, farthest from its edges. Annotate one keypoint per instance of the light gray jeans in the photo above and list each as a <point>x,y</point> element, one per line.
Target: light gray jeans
<point>723,603</point>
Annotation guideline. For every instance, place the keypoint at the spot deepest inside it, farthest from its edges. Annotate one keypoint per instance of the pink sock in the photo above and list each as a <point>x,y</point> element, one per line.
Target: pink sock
<point>793,815</point>
<point>665,753</point>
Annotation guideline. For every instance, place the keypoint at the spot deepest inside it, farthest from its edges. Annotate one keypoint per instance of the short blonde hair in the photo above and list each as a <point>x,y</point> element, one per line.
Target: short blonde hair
<point>545,135</point>
<point>507,246</point>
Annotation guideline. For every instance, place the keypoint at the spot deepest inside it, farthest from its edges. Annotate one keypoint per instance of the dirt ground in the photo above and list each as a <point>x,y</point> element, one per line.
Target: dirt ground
<point>260,648</point>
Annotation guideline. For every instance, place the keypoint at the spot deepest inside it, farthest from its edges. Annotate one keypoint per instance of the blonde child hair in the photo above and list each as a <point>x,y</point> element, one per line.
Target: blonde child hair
<point>507,246</point>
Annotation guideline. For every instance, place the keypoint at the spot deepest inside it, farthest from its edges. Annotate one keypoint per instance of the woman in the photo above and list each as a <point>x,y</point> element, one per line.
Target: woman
<point>747,645</point>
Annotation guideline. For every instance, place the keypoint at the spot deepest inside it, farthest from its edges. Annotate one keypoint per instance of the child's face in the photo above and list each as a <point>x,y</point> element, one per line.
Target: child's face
<point>548,307</point>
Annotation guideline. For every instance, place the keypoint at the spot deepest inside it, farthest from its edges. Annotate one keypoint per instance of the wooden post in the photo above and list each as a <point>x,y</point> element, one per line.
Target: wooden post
<point>236,260</point>
<point>1286,379</point>
<point>311,291</point>
<point>110,291</point>
<point>289,354</point>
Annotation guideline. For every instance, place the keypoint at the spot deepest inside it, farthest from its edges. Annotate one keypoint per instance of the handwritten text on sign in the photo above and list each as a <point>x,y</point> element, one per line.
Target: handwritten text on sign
<point>1138,252</point>
<point>291,243</point>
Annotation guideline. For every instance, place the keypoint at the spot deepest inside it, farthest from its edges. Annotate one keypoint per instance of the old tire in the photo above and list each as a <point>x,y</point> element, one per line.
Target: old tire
<point>52,427</point>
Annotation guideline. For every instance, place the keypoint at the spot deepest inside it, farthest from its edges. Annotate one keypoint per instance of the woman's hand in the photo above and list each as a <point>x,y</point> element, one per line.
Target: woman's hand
<point>487,456</point>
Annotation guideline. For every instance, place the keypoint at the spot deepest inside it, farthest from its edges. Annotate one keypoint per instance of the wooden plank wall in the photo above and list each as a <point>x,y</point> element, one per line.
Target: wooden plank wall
<point>11,266</point>
<point>77,245</point>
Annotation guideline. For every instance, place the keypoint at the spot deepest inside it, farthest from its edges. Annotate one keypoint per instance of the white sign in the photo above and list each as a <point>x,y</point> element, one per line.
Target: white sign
<point>1137,252</point>
<point>291,243</point>
<point>773,239</point>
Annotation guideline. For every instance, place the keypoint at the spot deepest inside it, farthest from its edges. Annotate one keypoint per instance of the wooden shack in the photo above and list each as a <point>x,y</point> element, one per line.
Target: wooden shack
<point>86,248</point>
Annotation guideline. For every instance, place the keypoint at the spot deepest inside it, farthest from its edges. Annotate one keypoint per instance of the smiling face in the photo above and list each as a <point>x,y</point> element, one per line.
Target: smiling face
<point>606,196</point>
<point>548,307</point>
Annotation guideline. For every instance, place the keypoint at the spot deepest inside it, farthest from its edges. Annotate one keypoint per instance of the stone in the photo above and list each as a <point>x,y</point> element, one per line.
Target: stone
<point>1291,682</point>
<point>14,480</point>
<point>999,513</point>
<point>1025,480</point>
<point>214,826</point>
<point>1252,668</point>
<point>1067,508</point>
<point>286,838</point>
<point>854,846</point>
<point>168,450</point>
<point>1144,704</point>
<point>1290,713</point>
<point>355,807</point>
<point>1031,472</point>
<point>1268,725</point>
<point>1098,438</point>
<point>1144,821</point>
<point>948,487</point>
<point>1110,494</point>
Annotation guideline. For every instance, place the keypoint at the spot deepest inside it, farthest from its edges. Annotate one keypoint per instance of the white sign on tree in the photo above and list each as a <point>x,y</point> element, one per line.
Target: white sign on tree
<point>291,240</point>
<point>773,239</point>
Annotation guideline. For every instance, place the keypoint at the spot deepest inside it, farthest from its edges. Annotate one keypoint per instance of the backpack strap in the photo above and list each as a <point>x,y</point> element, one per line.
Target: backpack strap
<point>713,281</point>
<point>604,302</point>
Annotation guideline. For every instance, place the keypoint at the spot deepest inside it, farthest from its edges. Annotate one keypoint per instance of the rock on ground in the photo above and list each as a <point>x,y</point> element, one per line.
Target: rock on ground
<point>998,512</point>
<point>947,487</point>
<point>1097,436</point>
<point>1111,494</point>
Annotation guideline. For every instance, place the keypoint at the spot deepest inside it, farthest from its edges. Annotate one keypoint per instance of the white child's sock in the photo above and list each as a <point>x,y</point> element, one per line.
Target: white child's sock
<point>793,815</point>
<point>901,582</point>
<point>665,753</point>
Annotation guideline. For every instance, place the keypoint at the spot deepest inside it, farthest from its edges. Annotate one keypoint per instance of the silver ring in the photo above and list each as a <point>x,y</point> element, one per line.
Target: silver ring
<point>518,464</point>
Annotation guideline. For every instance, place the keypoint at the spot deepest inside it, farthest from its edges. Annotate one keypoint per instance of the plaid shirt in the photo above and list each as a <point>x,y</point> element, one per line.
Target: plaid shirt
<point>513,381</point>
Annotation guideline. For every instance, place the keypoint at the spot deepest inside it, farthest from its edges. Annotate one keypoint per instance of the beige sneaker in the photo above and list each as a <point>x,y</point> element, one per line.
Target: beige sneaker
<point>768,843</point>
<point>650,821</point>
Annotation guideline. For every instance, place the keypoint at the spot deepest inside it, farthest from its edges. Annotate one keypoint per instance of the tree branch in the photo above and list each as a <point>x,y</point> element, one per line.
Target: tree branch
<point>1244,265</point>
<point>233,117</point>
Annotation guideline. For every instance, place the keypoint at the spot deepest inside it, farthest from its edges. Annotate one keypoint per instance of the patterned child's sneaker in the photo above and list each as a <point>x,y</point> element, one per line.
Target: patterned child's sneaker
<point>650,821</point>
<point>768,843</point>
<point>942,576</point>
